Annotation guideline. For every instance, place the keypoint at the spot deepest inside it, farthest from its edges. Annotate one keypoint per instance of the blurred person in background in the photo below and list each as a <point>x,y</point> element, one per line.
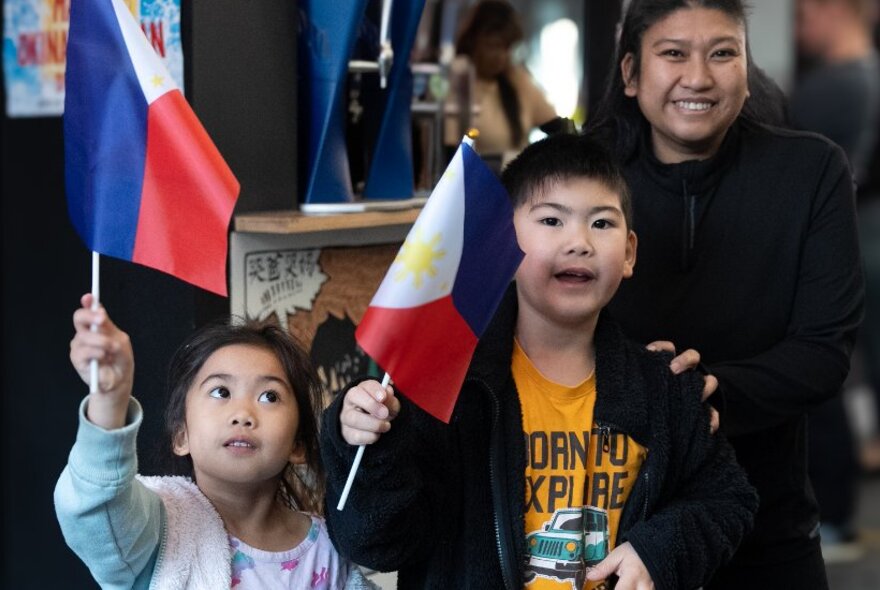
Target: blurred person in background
<point>510,102</point>
<point>838,96</point>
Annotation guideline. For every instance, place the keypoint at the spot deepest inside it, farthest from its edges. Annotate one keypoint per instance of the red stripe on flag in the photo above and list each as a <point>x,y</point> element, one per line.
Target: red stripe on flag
<point>425,349</point>
<point>187,200</point>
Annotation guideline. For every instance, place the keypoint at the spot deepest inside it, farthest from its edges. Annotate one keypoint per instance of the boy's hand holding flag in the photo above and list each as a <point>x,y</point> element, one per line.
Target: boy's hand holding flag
<point>439,294</point>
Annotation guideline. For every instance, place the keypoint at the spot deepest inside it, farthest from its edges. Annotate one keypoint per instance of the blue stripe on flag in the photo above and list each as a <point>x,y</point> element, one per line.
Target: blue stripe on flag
<point>105,131</point>
<point>490,254</point>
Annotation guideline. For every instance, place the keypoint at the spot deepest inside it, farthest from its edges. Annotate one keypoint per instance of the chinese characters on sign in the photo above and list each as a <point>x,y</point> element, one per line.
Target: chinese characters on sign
<point>320,296</point>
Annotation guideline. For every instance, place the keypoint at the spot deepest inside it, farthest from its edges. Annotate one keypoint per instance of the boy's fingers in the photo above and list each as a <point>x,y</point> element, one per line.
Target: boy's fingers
<point>392,403</point>
<point>358,437</point>
<point>364,422</point>
<point>361,400</point>
<point>605,568</point>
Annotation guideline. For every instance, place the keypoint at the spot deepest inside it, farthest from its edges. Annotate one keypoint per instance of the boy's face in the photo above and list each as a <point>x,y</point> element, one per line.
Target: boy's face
<point>577,249</point>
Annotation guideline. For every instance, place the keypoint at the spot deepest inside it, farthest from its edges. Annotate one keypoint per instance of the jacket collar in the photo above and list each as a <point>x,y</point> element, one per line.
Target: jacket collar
<point>621,386</point>
<point>698,175</point>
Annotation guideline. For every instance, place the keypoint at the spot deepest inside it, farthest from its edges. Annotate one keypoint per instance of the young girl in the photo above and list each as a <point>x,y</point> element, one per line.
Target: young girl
<point>242,420</point>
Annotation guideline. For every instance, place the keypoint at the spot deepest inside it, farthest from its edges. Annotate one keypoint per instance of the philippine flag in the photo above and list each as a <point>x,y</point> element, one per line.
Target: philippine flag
<point>443,287</point>
<point>144,181</point>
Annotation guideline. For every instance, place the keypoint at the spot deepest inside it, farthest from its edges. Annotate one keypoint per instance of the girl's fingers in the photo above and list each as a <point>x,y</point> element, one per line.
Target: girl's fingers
<point>84,319</point>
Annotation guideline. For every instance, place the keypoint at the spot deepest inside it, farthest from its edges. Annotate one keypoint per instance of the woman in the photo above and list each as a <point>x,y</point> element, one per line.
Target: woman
<point>510,103</point>
<point>748,253</point>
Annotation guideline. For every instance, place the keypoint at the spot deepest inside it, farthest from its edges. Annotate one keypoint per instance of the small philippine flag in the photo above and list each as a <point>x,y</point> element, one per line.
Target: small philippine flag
<point>439,294</point>
<point>144,181</point>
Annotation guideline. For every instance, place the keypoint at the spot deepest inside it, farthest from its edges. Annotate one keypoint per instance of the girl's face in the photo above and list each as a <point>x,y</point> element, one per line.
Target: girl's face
<point>241,419</point>
<point>692,82</point>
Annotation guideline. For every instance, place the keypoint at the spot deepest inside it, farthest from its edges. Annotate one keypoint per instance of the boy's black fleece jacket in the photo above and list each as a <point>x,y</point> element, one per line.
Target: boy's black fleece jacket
<point>443,504</point>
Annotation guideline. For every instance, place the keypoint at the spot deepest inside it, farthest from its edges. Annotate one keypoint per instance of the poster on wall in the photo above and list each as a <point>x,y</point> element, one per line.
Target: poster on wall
<point>320,296</point>
<point>35,46</point>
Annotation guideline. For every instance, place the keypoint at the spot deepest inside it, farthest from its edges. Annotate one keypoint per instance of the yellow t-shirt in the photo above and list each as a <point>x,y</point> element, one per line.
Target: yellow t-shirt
<point>577,479</point>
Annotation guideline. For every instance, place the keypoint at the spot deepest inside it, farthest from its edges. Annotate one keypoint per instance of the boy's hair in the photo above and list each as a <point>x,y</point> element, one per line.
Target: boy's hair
<point>564,157</point>
<point>302,487</point>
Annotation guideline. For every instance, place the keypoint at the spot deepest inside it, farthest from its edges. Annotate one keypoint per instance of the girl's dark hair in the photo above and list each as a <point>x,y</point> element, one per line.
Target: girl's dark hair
<point>302,487</point>
<point>564,157</point>
<point>620,114</point>
<point>495,18</point>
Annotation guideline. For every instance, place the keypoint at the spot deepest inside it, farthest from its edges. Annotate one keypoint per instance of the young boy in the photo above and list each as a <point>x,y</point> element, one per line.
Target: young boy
<point>567,442</point>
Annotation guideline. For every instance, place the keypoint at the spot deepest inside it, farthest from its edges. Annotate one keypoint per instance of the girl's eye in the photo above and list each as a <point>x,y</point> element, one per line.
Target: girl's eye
<point>219,392</point>
<point>269,396</point>
<point>551,221</point>
<point>603,224</point>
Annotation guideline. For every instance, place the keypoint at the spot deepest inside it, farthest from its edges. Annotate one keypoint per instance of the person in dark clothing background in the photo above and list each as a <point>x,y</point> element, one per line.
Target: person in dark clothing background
<point>839,97</point>
<point>749,254</point>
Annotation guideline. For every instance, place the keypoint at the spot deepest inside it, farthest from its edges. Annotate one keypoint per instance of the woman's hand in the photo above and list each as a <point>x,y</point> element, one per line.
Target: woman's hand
<point>367,412</point>
<point>111,347</point>
<point>690,359</point>
<point>627,565</point>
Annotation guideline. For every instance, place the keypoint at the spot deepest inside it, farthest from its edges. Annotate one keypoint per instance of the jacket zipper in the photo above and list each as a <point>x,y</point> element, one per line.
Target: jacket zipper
<point>496,493</point>
<point>688,224</point>
<point>605,437</point>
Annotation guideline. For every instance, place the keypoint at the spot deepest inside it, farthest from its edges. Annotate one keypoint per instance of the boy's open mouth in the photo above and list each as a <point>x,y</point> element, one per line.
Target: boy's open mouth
<point>574,276</point>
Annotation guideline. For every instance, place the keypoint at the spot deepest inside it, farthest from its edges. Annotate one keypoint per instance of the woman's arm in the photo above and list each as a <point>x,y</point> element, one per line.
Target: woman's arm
<point>810,364</point>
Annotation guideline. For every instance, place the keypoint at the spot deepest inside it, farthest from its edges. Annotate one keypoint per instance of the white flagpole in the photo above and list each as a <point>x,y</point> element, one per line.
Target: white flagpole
<point>96,295</point>
<point>357,461</point>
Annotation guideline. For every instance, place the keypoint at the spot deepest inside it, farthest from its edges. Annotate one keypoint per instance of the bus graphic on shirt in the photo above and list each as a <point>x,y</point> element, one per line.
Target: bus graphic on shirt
<point>570,543</point>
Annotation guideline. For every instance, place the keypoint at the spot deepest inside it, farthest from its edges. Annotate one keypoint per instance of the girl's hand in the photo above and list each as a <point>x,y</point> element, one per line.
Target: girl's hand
<point>367,412</point>
<point>627,565</point>
<point>690,359</point>
<point>111,347</point>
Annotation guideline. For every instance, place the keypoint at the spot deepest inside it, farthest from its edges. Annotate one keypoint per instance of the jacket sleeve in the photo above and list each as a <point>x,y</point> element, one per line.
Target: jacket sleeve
<point>706,504</point>
<point>810,364</point>
<point>109,519</point>
<point>395,498</point>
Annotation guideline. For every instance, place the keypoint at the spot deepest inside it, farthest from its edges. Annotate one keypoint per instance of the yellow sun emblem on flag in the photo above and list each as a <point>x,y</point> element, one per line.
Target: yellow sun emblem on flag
<point>417,256</point>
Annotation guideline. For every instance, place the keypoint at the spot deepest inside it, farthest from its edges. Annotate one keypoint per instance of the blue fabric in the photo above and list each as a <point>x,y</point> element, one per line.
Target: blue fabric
<point>105,131</point>
<point>488,228</point>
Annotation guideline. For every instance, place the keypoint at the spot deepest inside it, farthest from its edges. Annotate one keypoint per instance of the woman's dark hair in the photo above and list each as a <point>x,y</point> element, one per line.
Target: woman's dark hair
<point>564,157</point>
<point>495,18</point>
<point>620,114</point>
<point>302,487</point>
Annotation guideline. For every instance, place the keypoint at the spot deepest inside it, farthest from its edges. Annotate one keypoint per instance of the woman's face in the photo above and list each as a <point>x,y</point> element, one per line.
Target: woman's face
<point>491,56</point>
<point>692,82</point>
